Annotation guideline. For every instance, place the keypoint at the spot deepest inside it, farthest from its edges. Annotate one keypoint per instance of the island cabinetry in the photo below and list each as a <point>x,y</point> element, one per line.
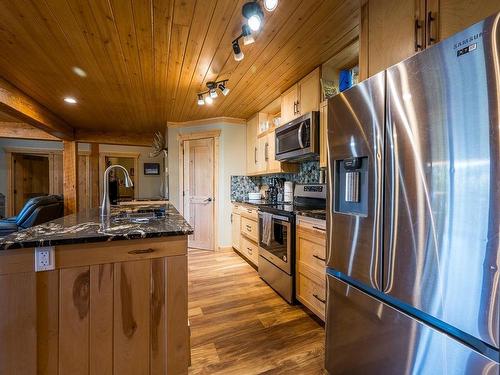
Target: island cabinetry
<point>107,308</point>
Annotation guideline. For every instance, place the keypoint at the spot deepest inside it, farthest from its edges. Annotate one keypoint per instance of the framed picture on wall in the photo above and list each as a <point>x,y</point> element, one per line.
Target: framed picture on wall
<point>151,169</point>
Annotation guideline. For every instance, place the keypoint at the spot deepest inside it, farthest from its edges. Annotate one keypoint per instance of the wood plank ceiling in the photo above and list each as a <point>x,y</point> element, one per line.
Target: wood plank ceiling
<point>145,60</point>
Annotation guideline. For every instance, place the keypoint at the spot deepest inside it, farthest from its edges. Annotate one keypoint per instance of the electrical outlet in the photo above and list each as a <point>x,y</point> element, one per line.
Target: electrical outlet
<point>44,258</point>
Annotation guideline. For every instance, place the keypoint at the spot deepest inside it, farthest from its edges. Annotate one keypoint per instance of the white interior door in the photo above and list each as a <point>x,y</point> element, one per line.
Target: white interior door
<point>199,191</point>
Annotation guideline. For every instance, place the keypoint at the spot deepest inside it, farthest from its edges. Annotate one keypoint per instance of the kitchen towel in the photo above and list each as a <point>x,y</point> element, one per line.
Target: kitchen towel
<point>267,224</point>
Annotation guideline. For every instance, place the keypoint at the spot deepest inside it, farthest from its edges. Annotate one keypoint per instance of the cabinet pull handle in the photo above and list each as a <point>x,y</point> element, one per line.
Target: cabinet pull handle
<point>141,251</point>
<point>266,151</point>
<point>418,46</point>
<point>319,298</point>
<point>430,40</point>
<point>249,250</point>
<point>318,257</point>
<point>249,228</point>
<point>318,228</point>
<point>255,154</point>
<point>249,211</point>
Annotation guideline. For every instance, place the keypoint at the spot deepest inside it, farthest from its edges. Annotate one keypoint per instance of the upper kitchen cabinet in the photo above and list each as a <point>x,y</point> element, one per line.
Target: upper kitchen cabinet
<point>261,149</point>
<point>393,30</point>
<point>302,97</point>
<point>252,146</point>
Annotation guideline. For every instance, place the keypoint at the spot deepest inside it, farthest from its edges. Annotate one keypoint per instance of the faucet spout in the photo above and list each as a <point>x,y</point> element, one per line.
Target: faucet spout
<point>106,205</point>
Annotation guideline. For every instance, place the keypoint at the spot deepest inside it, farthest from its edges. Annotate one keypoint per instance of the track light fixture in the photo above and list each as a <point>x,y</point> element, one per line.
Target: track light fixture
<point>208,96</point>
<point>246,33</point>
<point>238,54</point>
<point>252,11</point>
<point>254,15</point>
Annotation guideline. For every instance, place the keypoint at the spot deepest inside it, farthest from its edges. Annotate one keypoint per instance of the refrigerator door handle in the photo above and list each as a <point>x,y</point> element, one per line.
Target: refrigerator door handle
<point>391,197</point>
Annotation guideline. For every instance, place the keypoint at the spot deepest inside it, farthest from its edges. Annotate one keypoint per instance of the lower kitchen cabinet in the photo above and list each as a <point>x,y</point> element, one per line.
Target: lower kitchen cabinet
<point>236,226</point>
<point>245,232</point>
<point>310,265</point>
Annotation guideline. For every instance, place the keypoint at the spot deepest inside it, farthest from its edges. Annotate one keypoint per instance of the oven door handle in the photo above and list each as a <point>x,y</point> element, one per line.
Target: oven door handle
<point>301,127</point>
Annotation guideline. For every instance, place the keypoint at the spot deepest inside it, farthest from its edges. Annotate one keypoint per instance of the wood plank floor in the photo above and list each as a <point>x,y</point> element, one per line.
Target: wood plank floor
<point>240,326</point>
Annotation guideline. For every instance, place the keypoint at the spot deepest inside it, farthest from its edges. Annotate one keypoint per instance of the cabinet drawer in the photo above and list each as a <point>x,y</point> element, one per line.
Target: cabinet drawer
<point>311,252</point>
<point>250,212</point>
<point>250,250</point>
<point>237,208</point>
<point>250,229</point>
<point>311,292</point>
<point>316,225</point>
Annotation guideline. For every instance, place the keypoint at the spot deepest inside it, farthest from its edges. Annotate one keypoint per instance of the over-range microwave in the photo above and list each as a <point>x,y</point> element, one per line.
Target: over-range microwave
<point>298,139</point>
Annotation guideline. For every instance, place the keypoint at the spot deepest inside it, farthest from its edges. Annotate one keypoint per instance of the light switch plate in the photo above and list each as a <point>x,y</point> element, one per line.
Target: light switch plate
<point>44,258</point>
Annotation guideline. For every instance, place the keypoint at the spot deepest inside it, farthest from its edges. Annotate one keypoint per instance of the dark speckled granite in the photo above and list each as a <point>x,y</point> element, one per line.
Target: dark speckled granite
<point>86,227</point>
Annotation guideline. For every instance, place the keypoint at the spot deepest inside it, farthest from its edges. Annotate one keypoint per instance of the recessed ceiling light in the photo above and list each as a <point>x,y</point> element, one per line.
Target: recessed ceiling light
<point>270,5</point>
<point>70,100</point>
<point>79,71</point>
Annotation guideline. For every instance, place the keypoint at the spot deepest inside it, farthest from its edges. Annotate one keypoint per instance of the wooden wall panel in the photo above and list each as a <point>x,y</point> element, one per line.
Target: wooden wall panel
<point>18,324</point>
<point>47,302</point>
<point>158,323</point>
<point>101,319</point>
<point>176,298</point>
<point>74,315</point>
<point>131,317</point>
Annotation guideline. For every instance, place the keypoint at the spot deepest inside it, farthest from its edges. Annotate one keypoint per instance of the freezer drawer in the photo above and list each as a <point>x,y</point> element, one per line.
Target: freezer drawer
<point>366,336</point>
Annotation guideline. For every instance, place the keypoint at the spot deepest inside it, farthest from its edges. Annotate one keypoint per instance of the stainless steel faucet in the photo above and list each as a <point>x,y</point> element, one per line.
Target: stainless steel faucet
<point>106,206</point>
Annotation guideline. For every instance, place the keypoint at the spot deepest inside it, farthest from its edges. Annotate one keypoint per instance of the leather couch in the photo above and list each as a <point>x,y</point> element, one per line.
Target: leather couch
<point>36,211</point>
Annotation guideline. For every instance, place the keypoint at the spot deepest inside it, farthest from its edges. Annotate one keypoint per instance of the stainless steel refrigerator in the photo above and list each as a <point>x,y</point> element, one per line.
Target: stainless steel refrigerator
<point>414,219</point>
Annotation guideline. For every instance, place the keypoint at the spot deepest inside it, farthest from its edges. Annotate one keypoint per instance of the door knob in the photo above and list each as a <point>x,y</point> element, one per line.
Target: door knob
<point>208,200</point>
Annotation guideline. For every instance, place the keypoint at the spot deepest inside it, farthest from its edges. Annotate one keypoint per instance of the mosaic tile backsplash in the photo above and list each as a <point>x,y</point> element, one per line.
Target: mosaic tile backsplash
<point>242,185</point>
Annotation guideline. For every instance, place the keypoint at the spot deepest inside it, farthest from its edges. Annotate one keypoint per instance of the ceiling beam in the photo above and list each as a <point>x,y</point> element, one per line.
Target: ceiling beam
<point>208,121</point>
<point>19,105</point>
<point>129,139</point>
<point>22,130</point>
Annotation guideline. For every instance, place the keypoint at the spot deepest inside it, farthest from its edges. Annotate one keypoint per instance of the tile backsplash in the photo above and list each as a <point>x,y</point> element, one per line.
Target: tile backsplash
<point>242,185</point>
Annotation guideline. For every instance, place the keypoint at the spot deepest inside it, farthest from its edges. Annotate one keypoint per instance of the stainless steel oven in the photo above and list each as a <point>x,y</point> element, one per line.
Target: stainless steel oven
<point>299,139</point>
<point>276,254</point>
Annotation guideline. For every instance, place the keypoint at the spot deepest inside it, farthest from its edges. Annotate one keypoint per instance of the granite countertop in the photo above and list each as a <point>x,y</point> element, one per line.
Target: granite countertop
<point>86,227</point>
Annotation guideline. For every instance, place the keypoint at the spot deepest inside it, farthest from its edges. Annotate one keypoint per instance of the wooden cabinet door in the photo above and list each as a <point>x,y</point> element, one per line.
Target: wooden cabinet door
<point>262,154</point>
<point>392,35</point>
<point>309,92</point>
<point>453,16</point>
<point>252,145</point>
<point>236,230</point>
<point>323,122</point>
<point>288,104</point>
<point>273,166</point>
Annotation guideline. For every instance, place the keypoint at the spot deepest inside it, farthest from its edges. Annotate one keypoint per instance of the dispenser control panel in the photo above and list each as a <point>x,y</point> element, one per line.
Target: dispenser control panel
<point>351,186</point>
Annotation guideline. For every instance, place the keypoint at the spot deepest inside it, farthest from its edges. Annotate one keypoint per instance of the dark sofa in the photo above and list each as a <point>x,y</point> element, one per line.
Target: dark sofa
<point>36,211</point>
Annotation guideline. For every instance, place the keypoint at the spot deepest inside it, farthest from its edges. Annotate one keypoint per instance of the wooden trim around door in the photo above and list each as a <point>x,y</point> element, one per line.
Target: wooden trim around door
<point>215,134</point>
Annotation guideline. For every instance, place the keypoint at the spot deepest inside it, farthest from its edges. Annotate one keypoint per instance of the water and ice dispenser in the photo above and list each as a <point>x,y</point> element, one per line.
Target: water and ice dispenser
<point>351,186</point>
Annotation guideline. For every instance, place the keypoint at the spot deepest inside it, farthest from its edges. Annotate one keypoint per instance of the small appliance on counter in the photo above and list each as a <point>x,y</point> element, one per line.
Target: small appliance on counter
<point>288,192</point>
<point>254,196</point>
<point>277,237</point>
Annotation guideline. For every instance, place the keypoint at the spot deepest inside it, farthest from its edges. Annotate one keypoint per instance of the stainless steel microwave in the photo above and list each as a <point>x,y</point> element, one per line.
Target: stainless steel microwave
<point>298,139</point>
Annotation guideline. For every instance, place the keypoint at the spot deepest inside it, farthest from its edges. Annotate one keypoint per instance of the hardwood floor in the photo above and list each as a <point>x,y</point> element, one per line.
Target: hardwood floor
<point>240,326</point>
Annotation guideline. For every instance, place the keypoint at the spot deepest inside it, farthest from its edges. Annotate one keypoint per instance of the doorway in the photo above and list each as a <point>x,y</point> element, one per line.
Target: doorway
<point>31,178</point>
<point>199,188</point>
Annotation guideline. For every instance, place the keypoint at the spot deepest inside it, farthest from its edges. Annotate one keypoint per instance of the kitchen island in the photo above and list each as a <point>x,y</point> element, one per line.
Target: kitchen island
<point>115,302</point>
